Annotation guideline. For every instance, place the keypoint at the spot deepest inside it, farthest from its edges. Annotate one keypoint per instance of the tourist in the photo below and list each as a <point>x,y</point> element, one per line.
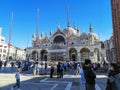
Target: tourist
<point>61,70</point>
<point>78,70</point>
<point>89,75</point>
<point>45,67</point>
<point>58,70</point>
<point>5,63</point>
<point>113,82</point>
<point>82,79</point>
<point>0,64</point>
<point>51,71</point>
<point>17,76</point>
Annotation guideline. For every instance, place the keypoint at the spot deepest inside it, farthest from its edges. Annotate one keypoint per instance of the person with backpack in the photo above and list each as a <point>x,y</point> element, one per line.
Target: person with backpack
<point>113,82</point>
<point>89,75</point>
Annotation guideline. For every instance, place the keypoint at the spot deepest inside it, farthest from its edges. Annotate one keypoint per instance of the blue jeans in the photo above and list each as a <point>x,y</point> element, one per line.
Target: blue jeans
<point>17,83</point>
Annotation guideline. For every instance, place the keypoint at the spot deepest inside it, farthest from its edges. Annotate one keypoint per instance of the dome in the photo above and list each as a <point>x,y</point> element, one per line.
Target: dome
<point>71,31</point>
<point>83,36</point>
<point>94,35</point>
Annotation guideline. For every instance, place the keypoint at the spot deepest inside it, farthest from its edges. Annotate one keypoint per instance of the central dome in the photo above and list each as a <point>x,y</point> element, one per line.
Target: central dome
<point>71,31</point>
<point>94,35</point>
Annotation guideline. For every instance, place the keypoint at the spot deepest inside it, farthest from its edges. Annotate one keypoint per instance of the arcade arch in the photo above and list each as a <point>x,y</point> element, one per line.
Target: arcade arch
<point>85,54</point>
<point>43,55</point>
<point>34,54</point>
<point>73,54</point>
<point>59,39</point>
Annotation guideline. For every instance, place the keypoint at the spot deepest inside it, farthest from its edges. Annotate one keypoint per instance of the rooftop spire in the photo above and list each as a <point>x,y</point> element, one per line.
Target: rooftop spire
<point>91,28</point>
<point>50,31</point>
<point>58,25</point>
<point>68,16</point>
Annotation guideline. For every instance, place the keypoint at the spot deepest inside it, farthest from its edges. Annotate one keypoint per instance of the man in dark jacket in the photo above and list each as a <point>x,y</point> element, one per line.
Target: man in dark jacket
<point>89,76</point>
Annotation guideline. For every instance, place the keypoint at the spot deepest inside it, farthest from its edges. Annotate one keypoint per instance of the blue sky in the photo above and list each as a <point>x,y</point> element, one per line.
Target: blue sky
<point>51,13</point>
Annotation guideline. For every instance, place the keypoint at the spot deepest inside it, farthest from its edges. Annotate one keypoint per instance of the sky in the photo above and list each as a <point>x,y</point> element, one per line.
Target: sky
<point>82,13</point>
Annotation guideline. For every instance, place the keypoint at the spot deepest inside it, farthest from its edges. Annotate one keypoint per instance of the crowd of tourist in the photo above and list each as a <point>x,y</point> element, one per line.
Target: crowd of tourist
<point>87,71</point>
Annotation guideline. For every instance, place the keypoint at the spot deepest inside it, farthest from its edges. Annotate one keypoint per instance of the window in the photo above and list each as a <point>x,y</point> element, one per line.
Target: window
<point>5,46</point>
<point>3,55</point>
<point>4,51</point>
<point>2,39</point>
<point>0,50</point>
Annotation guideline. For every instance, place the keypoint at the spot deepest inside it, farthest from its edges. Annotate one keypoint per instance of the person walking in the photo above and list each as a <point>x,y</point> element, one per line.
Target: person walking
<point>17,76</point>
<point>0,64</point>
<point>5,63</point>
<point>89,75</point>
<point>58,70</point>
<point>61,70</point>
<point>82,79</point>
<point>113,82</point>
<point>51,71</point>
<point>78,70</point>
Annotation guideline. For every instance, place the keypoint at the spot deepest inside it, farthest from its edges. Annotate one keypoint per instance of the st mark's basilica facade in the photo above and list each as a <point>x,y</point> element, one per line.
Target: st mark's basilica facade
<point>67,45</point>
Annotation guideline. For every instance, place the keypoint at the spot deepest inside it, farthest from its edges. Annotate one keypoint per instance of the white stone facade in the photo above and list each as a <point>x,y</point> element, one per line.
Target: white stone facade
<point>3,47</point>
<point>14,52</point>
<point>110,49</point>
<point>67,45</point>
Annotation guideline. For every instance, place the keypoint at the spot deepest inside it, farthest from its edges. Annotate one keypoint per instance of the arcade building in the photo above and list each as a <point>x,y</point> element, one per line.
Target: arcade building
<point>67,45</point>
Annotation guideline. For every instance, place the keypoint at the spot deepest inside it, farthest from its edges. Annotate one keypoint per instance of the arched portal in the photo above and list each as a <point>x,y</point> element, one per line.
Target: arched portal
<point>85,54</point>
<point>59,39</point>
<point>73,54</point>
<point>44,55</point>
<point>35,55</point>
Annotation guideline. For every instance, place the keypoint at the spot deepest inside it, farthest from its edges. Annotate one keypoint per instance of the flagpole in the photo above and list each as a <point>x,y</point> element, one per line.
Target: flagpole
<point>10,35</point>
<point>37,21</point>
<point>68,33</point>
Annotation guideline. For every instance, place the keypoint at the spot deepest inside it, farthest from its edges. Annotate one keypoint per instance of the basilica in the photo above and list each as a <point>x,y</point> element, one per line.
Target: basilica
<point>67,45</point>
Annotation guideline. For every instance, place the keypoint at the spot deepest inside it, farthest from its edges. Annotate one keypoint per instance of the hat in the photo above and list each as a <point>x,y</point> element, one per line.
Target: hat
<point>87,61</point>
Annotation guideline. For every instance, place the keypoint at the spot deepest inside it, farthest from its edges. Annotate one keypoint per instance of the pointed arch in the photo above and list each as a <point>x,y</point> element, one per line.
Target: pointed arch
<point>34,53</point>
<point>85,54</point>
<point>43,55</point>
<point>73,54</point>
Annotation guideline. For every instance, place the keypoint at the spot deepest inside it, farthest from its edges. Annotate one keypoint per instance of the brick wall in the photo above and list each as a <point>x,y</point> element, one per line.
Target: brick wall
<point>115,5</point>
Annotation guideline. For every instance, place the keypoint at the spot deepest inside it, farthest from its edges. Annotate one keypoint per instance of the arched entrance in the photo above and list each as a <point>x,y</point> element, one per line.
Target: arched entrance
<point>59,39</point>
<point>43,55</point>
<point>85,54</point>
<point>73,54</point>
<point>96,54</point>
<point>35,55</point>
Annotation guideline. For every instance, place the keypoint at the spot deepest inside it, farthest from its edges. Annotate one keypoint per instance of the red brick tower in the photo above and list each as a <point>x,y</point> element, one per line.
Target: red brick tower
<point>115,4</point>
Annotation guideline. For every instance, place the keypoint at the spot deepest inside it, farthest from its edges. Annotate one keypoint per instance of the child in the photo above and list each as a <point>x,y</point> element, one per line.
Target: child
<point>17,76</point>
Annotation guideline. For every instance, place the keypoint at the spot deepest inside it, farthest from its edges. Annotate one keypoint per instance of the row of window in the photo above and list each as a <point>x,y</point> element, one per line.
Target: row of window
<point>3,55</point>
<point>2,46</point>
<point>4,51</point>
